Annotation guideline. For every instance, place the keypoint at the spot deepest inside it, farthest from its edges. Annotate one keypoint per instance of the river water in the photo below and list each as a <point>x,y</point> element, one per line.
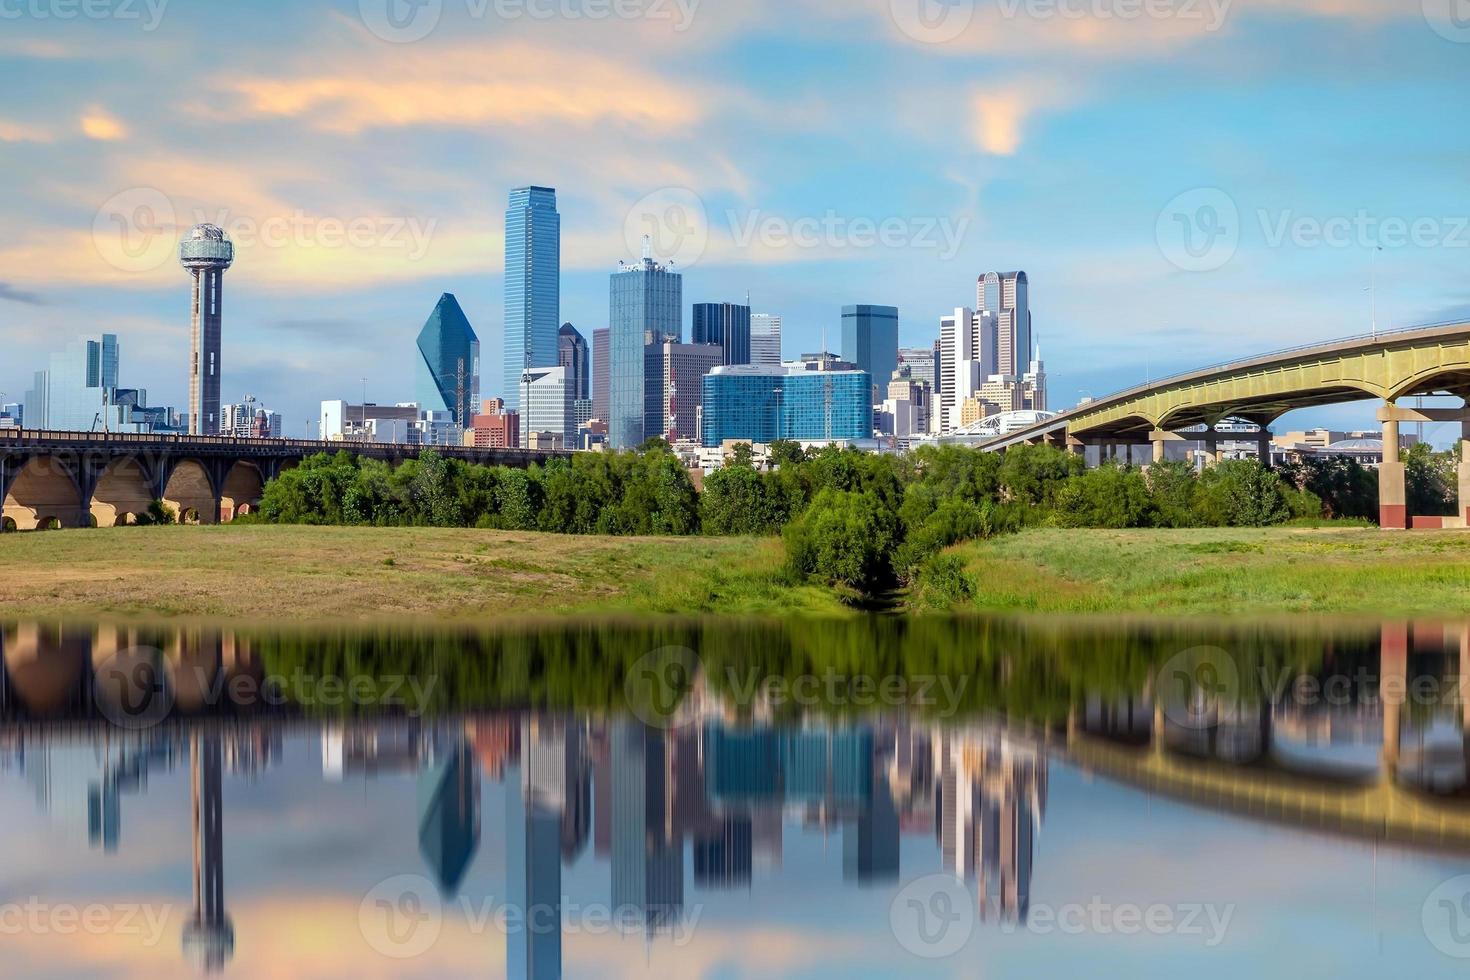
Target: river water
<point>879,797</point>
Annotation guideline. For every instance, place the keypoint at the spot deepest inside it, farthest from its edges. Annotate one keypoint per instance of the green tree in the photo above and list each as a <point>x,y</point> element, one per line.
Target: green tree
<point>844,538</point>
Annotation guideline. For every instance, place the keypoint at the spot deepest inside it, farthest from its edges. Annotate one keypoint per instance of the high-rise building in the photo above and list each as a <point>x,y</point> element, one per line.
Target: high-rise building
<point>601,359</point>
<point>247,420</point>
<point>646,306</point>
<point>907,407</point>
<point>967,362</point>
<point>1006,294</point>
<point>209,936</point>
<point>494,427</point>
<point>548,404</point>
<point>79,392</point>
<point>754,403</point>
<point>449,362</point>
<point>12,415</point>
<point>572,354</point>
<point>1033,383</point>
<point>205,254</point>
<point>765,338</point>
<point>870,339</point>
<point>532,285</point>
<point>726,325</point>
<point>681,369</point>
<point>922,362</point>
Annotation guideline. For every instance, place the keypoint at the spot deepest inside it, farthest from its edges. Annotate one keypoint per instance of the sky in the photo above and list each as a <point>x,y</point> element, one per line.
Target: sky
<point>1185,181</point>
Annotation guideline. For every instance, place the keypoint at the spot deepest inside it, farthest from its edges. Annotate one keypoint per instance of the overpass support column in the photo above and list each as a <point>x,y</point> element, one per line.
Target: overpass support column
<point>1393,672</point>
<point>1393,509</point>
<point>1263,446</point>
<point>1465,471</point>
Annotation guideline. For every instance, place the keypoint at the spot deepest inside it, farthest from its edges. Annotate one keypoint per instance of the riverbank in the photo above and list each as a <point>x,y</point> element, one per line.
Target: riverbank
<point>305,575</point>
<point>293,574</point>
<point>1355,572</point>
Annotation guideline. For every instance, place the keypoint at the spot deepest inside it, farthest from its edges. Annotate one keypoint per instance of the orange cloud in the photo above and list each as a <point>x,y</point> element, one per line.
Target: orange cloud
<point>98,124</point>
<point>12,132</point>
<point>511,84</point>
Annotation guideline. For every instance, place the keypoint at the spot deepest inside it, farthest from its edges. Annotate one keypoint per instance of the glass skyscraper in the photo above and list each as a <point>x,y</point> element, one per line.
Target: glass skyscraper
<point>754,403</point>
<point>449,362</point>
<point>870,339</point>
<point>1007,295</point>
<point>79,392</point>
<point>532,285</point>
<point>646,306</point>
<point>726,325</point>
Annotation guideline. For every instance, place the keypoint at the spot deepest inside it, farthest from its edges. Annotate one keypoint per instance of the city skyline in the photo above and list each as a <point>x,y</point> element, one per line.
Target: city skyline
<point>1017,157</point>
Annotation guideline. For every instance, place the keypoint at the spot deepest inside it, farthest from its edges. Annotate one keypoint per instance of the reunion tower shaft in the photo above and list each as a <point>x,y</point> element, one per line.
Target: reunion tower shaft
<point>206,254</point>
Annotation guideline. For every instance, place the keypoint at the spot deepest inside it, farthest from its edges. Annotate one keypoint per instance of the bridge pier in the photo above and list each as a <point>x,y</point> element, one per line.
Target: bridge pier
<point>1393,501</point>
<point>1464,496</point>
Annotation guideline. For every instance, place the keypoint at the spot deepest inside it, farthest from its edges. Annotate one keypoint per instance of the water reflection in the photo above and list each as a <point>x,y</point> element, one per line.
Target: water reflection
<point>555,777</point>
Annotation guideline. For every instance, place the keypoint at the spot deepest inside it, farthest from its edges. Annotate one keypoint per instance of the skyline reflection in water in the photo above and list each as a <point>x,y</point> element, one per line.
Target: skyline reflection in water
<point>1061,809</point>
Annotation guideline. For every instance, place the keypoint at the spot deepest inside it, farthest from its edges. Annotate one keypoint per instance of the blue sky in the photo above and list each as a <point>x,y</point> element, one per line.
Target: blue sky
<point>363,170</point>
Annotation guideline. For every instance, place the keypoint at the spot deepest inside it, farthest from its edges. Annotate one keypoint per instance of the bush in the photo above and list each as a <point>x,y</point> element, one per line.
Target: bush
<point>1242,493</point>
<point>844,538</point>
<point>942,583</point>
<point>1110,496</point>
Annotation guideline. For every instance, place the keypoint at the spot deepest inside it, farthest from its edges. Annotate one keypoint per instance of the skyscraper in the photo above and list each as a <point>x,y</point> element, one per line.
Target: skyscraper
<point>79,392</point>
<point>206,254</point>
<point>449,362</point>
<point>726,325</point>
<point>1006,295</point>
<point>765,339</point>
<point>572,355</point>
<point>870,340</point>
<point>680,371</point>
<point>761,404</point>
<point>548,405</point>
<point>601,357</point>
<point>646,306</point>
<point>532,285</point>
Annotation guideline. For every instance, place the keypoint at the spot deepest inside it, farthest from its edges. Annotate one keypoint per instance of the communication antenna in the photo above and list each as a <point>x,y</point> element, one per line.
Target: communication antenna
<point>458,395</point>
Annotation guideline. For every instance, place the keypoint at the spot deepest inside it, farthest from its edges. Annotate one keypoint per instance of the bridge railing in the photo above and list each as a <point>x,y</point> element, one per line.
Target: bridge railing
<point>103,439</point>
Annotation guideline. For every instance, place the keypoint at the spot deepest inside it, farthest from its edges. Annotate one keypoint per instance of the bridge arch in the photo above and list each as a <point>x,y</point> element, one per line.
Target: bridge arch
<point>46,666</point>
<point>190,493</point>
<point>123,493</point>
<point>241,491</point>
<point>43,495</point>
<point>1416,383</point>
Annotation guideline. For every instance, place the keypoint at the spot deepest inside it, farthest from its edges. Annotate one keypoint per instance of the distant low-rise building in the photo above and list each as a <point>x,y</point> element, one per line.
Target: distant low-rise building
<point>494,427</point>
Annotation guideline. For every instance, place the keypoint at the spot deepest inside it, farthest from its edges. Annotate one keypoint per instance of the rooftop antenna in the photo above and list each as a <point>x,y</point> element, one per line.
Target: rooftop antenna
<point>647,248</point>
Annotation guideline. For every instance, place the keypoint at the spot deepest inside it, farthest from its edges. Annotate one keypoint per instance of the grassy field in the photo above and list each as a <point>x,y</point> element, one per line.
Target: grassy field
<point>1230,572</point>
<point>322,574</point>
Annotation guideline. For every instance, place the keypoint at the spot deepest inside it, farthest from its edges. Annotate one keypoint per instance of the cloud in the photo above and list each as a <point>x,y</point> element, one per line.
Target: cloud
<point>506,84</point>
<point>98,124</point>
<point>9,292</point>
<point>999,115</point>
<point>13,132</point>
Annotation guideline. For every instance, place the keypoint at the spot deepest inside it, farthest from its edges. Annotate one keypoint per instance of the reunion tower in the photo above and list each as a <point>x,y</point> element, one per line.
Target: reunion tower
<point>206,253</point>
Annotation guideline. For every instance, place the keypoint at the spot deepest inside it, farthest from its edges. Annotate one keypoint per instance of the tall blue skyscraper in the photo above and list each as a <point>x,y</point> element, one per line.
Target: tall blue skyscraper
<point>646,306</point>
<point>532,286</point>
<point>726,325</point>
<point>449,362</point>
<point>870,340</point>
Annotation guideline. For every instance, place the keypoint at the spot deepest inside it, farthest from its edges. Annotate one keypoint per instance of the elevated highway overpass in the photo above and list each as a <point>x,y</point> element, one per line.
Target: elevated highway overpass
<point>76,479</point>
<point>1386,367</point>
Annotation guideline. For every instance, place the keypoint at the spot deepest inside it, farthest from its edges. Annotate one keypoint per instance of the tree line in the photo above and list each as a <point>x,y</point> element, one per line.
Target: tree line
<point>864,523</point>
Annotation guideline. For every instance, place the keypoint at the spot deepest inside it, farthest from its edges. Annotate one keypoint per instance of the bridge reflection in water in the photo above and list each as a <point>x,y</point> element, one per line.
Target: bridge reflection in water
<point>1380,756</point>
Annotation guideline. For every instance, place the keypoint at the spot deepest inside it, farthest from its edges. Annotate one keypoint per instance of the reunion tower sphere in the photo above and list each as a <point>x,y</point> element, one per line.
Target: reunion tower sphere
<point>206,253</point>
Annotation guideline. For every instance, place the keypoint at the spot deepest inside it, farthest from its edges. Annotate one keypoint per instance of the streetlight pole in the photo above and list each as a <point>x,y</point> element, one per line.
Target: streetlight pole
<point>1373,287</point>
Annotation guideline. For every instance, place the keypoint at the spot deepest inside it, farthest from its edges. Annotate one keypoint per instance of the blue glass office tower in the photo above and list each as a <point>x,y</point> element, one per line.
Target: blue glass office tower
<point>726,325</point>
<point>870,340</point>
<point>756,403</point>
<point>532,286</point>
<point>449,362</point>
<point>646,306</point>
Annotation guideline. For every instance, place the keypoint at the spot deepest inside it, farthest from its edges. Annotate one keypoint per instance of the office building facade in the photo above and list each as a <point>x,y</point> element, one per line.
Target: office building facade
<point>1007,295</point>
<point>870,339</point>
<point>762,404</point>
<point>532,286</point>
<point>726,325</point>
<point>646,306</point>
<point>449,362</point>
<point>601,359</point>
<point>681,369</point>
<point>572,354</point>
<point>79,392</point>
<point>765,339</point>
<point>548,405</point>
